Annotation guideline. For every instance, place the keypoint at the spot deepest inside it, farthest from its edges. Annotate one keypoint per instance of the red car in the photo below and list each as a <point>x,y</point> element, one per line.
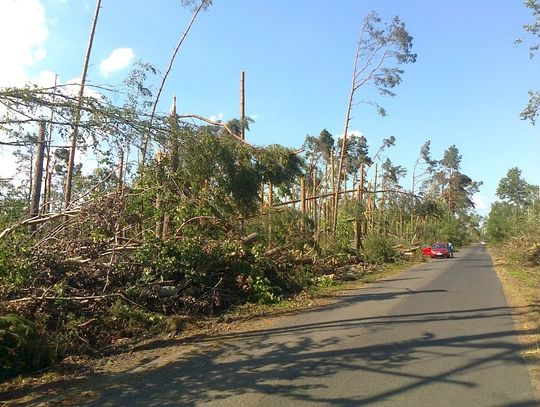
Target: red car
<point>441,249</point>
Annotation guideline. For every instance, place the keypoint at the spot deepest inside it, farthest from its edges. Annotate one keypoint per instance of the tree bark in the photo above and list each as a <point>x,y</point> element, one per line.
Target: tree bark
<point>38,174</point>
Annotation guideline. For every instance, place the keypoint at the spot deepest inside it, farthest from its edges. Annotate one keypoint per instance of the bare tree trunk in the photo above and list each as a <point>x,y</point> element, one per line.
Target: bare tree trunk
<point>358,223</point>
<point>270,204</point>
<point>121,171</point>
<point>374,199</point>
<point>314,208</point>
<point>48,170</point>
<point>303,201</point>
<point>161,220</point>
<point>242,106</point>
<point>38,174</point>
<point>77,115</point>
<point>332,182</point>
<point>354,87</point>
<point>146,139</point>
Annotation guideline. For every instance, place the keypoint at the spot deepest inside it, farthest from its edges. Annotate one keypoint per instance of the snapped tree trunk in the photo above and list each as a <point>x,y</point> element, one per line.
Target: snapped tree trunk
<point>77,115</point>
<point>38,174</point>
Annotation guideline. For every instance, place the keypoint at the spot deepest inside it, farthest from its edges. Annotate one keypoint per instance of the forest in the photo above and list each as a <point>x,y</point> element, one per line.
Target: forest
<point>182,216</point>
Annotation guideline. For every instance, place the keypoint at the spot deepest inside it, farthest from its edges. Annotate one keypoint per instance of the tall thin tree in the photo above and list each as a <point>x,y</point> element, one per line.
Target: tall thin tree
<point>376,47</point>
<point>77,114</point>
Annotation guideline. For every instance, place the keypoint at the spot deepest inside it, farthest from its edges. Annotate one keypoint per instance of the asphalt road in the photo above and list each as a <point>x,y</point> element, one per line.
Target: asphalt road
<point>439,334</point>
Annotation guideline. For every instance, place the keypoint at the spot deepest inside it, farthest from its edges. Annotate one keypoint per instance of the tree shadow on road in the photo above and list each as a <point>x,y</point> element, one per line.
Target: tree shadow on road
<point>296,362</point>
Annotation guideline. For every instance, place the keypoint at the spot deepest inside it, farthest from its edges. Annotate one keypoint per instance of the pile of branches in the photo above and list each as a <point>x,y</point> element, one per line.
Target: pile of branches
<point>90,275</point>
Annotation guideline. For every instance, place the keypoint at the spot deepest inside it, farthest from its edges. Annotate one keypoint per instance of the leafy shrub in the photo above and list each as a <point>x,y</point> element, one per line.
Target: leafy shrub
<point>380,249</point>
<point>325,281</point>
<point>21,347</point>
<point>282,227</point>
<point>16,261</point>
<point>264,292</point>
<point>130,320</point>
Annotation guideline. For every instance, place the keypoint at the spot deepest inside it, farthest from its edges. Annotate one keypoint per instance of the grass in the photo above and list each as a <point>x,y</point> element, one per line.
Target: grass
<point>521,285</point>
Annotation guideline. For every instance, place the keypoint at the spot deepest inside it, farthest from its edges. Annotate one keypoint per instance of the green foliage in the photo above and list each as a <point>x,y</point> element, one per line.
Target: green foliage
<point>380,249</point>
<point>457,189</point>
<point>453,230</point>
<point>22,349</point>
<point>323,145</point>
<point>16,261</point>
<point>264,292</point>
<point>325,281</point>
<point>501,222</point>
<point>356,153</point>
<point>130,320</point>
<point>515,223</point>
<point>392,42</point>
<point>277,164</point>
<point>349,212</point>
<point>215,173</point>
<point>392,174</point>
<point>189,259</point>
<point>513,188</point>
<point>428,208</point>
<point>13,204</point>
<point>282,228</point>
<point>531,111</point>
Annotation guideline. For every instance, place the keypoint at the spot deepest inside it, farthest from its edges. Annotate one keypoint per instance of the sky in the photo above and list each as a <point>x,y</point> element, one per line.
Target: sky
<point>467,87</point>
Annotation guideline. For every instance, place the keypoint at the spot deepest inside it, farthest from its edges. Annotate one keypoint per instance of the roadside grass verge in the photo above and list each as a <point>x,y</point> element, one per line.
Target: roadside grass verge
<point>521,285</point>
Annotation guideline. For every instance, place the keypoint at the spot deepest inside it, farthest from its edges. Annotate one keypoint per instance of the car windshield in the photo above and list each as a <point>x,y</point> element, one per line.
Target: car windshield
<point>439,246</point>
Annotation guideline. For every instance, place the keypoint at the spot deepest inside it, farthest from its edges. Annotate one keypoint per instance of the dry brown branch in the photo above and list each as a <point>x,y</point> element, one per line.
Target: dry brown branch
<point>37,220</point>
<point>276,250</point>
<point>347,191</point>
<point>124,248</point>
<point>85,324</point>
<point>249,239</point>
<point>213,123</point>
<point>78,298</point>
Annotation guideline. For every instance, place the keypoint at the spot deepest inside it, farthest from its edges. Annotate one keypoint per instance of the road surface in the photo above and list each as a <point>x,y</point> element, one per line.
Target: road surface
<point>439,334</point>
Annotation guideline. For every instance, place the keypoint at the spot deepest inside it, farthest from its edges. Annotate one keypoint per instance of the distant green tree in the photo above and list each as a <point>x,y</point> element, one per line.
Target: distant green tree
<point>500,222</point>
<point>318,147</point>
<point>355,154</point>
<point>392,174</point>
<point>457,188</point>
<point>513,188</point>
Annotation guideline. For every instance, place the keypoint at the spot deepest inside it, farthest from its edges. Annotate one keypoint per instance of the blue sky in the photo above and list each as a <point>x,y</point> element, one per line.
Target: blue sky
<point>467,87</point>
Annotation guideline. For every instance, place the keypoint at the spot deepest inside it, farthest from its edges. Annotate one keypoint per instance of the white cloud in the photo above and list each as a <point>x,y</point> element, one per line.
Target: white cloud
<point>216,117</point>
<point>480,204</point>
<point>119,59</point>
<point>23,31</point>
<point>73,87</point>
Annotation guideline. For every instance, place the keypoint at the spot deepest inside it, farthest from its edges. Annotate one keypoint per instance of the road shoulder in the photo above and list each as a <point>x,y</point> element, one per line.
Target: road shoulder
<point>521,287</point>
